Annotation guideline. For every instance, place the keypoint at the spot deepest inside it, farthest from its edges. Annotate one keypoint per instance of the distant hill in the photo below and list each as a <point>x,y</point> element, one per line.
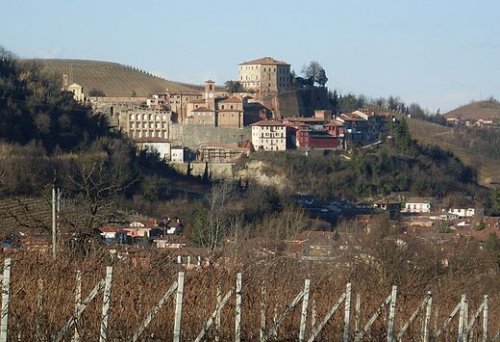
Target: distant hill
<point>112,78</point>
<point>430,133</point>
<point>486,110</point>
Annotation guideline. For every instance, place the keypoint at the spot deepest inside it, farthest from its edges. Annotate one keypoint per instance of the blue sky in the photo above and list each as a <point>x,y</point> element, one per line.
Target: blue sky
<point>439,53</point>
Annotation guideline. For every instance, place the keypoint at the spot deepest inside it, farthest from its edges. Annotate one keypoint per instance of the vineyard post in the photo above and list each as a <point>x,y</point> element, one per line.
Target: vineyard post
<point>485,319</point>
<point>217,317</point>
<point>427,321</point>
<point>178,307</point>
<point>237,322</point>
<point>347,311</point>
<point>461,318</point>
<point>392,313</point>
<point>106,300</point>
<point>303,315</point>
<point>78,300</point>
<point>5,300</point>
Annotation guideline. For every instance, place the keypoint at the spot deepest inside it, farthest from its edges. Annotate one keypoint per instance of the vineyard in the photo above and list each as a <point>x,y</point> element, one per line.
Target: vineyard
<point>112,78</point>
<point>146,296</point>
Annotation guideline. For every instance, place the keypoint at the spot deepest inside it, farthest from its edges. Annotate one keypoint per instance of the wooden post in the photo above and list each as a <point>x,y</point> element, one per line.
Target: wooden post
<point>357,313</point>
<point>485,319</point>
<point>392,313</point>
<point>237,319</point>
<point>303,315</point>
<point>262,330</point>
<point>178,307</point>
<point>4,329</point>
<point>347,312</point>
<point>427,321</point>
<point>78,300</point>
<point>217,316</point>
<point>461,318</point>
<point>106,300</point>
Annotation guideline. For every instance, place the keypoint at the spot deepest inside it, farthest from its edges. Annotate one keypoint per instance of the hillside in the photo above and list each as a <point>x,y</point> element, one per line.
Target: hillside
<point>430,133</point>
<point>112,78</point>
<point>486,110</point>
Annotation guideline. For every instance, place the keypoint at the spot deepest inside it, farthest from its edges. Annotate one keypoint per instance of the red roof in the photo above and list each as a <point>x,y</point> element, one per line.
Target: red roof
<point>202,110</point>
<point>335,123</point>
<point>265,61</point>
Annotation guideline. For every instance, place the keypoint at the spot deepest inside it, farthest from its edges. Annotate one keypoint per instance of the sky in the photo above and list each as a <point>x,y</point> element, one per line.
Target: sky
<point>438,53</point>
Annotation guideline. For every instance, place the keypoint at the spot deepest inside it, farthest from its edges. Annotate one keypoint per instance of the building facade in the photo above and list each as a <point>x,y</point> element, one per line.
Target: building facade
<point>147,124</point>
<point>269,135</point>
<point>265,76</point>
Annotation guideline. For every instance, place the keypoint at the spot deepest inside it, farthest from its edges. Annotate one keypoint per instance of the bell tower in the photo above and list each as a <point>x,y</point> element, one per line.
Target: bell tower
<point>210,94</point>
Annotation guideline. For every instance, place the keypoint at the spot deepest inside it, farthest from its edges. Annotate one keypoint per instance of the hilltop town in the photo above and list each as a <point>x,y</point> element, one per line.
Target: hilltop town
<point>271,167</point>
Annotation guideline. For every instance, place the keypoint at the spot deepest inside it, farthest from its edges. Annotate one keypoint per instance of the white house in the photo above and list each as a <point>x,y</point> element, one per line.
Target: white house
<point>177,154</point>
<point>419,205</point>
<point>464,212</point>
<point>269,135</point>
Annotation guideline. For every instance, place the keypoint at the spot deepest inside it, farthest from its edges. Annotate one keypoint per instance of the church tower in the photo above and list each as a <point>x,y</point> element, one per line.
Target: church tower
<point>210,94</point>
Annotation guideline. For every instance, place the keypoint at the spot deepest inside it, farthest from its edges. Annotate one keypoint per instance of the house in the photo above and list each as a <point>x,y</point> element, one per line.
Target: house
<point>392,207</point>
<point>113,234</point>
<point>271,135</point>
<point>155,145</point>
<point>177,154</point>
<point>419,205</point>
<point>140,228</point>
<point>335,128</point>
<point>77,91</point>
<point>317,139</point>
<point>178,103</point>
<point>465,212</point>
<point>202,116</point>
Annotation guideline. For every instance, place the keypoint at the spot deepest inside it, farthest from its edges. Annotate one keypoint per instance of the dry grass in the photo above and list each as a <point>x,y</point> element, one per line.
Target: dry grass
<point>39,314</point>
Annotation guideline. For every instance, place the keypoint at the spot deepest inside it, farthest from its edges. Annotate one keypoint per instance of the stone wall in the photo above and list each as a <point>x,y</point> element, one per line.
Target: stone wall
<point>193,136</point>
<point>213,171</point>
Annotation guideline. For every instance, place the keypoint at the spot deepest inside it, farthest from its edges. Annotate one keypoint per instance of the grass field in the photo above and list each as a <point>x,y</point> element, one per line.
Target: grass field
<point>112,78</point>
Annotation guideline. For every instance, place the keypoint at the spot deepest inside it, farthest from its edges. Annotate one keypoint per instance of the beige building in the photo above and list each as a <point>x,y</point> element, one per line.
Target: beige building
<point>265,76</point>
<point>230,112</point>
<point>178,103</point>
<point>77,91</point>
<point>146,124</point>
<point>269,135</point>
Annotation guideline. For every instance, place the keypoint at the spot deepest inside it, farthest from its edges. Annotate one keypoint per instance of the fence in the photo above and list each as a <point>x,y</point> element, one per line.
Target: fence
<point>299,318</point>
